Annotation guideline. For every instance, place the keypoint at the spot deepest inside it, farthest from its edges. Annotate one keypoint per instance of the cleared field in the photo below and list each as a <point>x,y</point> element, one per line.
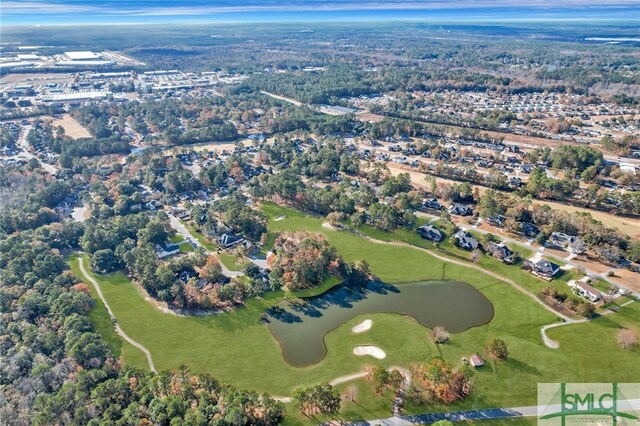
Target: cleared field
<point>626,225</point>
<point>71,127</point>
<point>512,138</point>
<point>207,146</point>
<point>38,78</point>
<point>237,348</point>
<point>369,117</point>
<point>629,279</point>
<point>282,98</point>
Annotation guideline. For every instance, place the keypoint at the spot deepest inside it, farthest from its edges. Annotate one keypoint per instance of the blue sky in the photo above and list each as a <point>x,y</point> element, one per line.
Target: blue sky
<point>139,11</point>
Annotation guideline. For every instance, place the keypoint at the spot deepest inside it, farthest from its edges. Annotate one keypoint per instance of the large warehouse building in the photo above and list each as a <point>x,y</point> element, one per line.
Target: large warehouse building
<point>84,55</point>
<point>84,58</point>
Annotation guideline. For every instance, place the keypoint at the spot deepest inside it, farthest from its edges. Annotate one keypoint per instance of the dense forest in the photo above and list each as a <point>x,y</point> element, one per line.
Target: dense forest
<point>56,369</point>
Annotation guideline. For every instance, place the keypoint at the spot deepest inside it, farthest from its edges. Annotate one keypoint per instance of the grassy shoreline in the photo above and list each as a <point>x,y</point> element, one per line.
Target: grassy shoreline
<point>237,348</point>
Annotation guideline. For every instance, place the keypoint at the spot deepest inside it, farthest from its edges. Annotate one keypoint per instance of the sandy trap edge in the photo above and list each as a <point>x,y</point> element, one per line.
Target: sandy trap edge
<point>373,351</point>
<point>363,326</point>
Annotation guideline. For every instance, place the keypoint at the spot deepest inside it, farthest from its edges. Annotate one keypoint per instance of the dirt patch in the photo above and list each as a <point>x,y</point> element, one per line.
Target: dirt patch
<point>215,146</point>
<point>38,78</point>
<point>628,279</point>
<point>513,138</point>
<point>282,98</point>
<point>557,253</point>
<point>369,117</point>
<point>495,231</point>
<point>71,127</point>
<point>350,393</point>
<point>592,265</point>
<point>208,146</point>
<point>417,178</point>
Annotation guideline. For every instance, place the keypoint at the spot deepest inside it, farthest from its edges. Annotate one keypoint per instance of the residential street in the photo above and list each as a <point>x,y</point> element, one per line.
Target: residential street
<point>22,143</point>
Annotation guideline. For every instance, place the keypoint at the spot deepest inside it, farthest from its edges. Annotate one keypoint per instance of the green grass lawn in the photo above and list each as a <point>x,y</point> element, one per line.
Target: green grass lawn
<point>100,317</point>
<point>202,239</point>
<point>513,272</point>
<point>237,348</point>
<point>175,239</point>
<point>186,248</point>
<point>601,285</point>
<point>231,261</point>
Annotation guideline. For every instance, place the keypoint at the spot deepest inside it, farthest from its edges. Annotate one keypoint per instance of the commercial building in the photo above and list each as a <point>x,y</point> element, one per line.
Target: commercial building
<point>84,55</point>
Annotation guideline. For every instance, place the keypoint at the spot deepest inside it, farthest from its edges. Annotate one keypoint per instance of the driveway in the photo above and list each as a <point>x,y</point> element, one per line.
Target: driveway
<point>182,230</point>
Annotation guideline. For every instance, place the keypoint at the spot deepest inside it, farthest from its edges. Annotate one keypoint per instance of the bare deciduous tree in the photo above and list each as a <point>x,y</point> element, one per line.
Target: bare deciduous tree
<point>627,338</point>
<point>440,335</point>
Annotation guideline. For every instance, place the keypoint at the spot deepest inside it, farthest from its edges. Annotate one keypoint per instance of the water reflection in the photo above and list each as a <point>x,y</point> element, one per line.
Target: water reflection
<point>300,324</point>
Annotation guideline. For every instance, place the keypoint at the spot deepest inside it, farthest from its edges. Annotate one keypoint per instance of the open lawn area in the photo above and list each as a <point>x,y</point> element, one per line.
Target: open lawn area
<point>71,127</point>
<point>237,347</point>
<point>446,247</point>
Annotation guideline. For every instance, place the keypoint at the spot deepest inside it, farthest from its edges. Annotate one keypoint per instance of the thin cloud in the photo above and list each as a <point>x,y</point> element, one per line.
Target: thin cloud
<point>14,7</point>
<point>152,8</point>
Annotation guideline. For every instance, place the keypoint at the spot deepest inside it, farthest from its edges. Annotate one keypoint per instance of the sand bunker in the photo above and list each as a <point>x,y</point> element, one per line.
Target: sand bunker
<point>374,351</point>
<point>362,327</point>
<point>279,218</point>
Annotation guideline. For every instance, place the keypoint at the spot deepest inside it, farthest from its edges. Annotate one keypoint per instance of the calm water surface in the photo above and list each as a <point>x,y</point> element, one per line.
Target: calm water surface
<point>300,324</point>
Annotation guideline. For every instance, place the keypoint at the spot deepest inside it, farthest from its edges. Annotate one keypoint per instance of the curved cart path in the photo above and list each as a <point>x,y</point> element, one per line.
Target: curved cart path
<point>478,268</point>
<point>119,330</point>
<point>359,375</point>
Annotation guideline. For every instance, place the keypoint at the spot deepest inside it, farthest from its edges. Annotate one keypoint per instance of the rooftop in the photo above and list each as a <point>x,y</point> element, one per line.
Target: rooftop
<point>82,55</point>
<point>27,57</point>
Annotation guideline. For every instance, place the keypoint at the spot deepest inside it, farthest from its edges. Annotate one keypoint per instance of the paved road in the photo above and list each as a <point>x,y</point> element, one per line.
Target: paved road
<point>22,142</point>
<point>182,230</point>
<point>119,330</point>
<point>488,413</point>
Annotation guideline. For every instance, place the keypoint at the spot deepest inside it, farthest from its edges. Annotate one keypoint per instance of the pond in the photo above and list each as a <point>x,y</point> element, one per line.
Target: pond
<point>301,324</point>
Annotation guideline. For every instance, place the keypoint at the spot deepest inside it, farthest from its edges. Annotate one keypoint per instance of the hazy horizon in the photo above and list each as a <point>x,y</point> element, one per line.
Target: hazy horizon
<point>70,12</point>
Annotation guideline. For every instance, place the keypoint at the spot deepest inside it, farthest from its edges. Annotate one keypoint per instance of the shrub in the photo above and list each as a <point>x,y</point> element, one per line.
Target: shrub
<point>440,335</point>
<point>497,348</point>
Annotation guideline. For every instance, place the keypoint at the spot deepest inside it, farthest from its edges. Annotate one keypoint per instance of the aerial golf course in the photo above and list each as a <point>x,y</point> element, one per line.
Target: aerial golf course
<point>238,347</point>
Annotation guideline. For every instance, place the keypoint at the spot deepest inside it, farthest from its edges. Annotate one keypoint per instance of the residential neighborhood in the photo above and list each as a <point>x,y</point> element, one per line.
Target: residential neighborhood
<point>363,214</point>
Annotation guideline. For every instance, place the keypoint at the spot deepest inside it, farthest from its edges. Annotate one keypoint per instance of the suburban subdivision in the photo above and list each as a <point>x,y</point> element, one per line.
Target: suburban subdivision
<point>316,220</point>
